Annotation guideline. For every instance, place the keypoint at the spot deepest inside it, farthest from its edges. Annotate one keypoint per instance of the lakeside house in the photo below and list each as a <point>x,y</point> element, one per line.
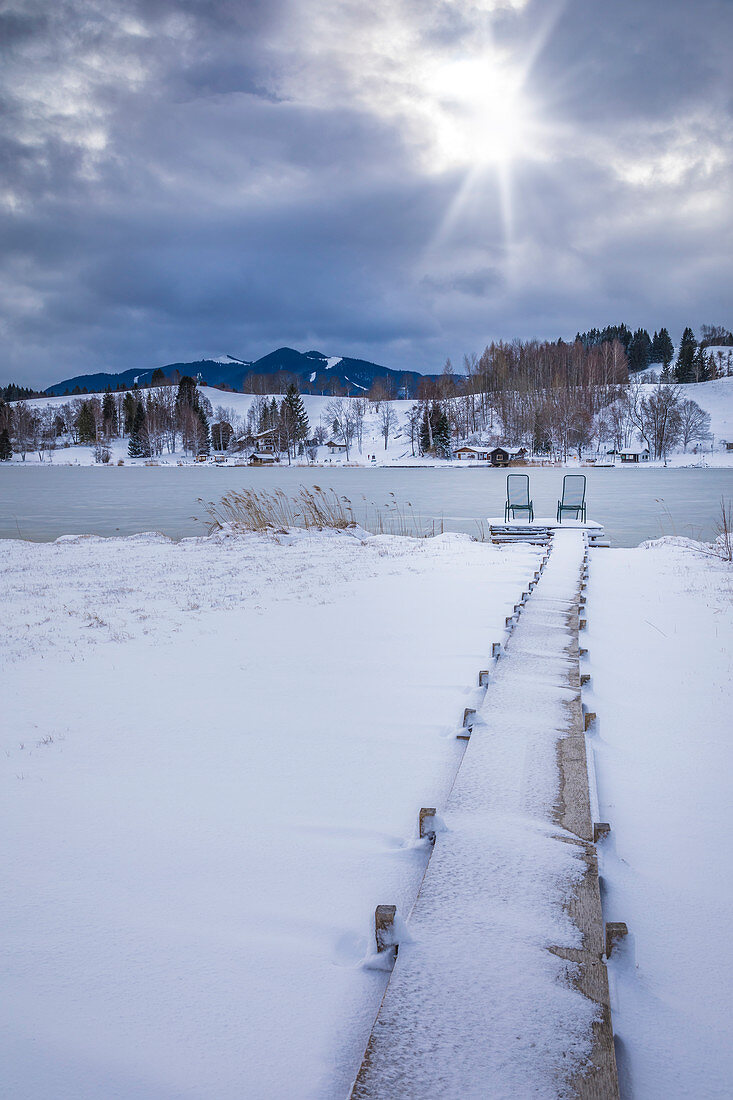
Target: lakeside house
<point>336,448</point>
<point>265,441</point>
<point>471,454</point>
<point>497,456</point>
<point>634,454</point>
<point>263,458</point>
<point>502,456</point>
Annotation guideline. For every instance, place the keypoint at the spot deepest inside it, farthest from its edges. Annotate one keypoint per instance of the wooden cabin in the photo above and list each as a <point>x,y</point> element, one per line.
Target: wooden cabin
<point>263,458</point>
<point>502,456</point>
<point>471,454</point>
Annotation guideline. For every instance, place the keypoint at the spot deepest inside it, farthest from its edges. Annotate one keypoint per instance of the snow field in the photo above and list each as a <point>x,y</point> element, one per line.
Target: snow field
<point>660,641</point>
<point>214,753</point>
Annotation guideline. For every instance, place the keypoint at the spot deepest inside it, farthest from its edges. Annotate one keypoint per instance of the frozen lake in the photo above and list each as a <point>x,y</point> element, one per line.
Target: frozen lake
<point>633,504</point>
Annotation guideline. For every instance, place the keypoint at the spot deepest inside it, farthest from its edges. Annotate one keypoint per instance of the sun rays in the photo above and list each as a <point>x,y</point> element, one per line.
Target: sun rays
<point>483,124</point>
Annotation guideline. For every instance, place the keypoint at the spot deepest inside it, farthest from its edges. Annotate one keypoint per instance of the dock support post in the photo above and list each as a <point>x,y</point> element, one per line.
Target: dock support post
<point>384,916</point>
<point>615,931</point>
<point>427,823</point>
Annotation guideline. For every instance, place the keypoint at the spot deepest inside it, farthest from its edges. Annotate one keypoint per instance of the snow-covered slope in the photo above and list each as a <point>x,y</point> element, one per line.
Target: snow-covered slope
<point>715,398</point>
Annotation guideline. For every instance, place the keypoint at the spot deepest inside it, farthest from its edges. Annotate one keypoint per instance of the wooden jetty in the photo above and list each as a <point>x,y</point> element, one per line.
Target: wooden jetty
<point>540,531</point>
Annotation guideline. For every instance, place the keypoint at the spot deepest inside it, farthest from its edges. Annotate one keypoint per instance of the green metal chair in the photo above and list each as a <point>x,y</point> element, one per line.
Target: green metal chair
<point>573,496</point>
<point>517,496</point>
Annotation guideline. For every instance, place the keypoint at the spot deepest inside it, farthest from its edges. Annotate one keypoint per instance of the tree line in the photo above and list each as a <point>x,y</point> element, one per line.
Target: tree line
<point>555,398</point>
<point>694,362</point>
<point>160,419</point>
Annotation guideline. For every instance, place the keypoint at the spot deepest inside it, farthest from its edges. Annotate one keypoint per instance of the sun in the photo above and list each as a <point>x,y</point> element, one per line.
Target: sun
<point>477,113</point>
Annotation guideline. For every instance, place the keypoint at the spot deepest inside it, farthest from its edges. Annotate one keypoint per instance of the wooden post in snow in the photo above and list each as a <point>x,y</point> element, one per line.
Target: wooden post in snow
<point>427,823</point>
<point>615,931</point>
<point>384,916</point>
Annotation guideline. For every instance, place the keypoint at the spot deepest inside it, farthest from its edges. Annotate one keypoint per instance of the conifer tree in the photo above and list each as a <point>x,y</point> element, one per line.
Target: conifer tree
<point>109,415</point>
<point>662,347</point>
<point>203,436</point>
<point>137,447</point>
<point>129,406</point>
<point>684,370</point>
<point>85,425</point>
<point>426,433</point>
<point>640,350</point>
<point>187,396</point>
<point>294,418</point>
<point>441,435</point>
<point>6,450</point>
<point>701,366</point>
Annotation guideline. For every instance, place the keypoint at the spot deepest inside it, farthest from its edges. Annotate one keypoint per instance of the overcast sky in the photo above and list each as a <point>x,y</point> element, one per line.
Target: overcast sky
<point>402,180</point>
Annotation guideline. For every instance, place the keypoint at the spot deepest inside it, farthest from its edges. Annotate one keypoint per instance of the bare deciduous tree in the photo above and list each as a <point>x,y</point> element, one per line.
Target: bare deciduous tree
<point>341,416</point>
<point>387,422</point>
<point>694,422</point>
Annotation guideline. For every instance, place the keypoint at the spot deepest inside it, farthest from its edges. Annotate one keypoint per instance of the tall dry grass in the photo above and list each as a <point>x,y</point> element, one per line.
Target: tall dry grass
<point>313,509</point>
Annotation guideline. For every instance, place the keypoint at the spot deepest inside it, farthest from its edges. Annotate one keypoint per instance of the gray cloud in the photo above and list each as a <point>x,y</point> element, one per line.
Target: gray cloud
<point>182,179</point>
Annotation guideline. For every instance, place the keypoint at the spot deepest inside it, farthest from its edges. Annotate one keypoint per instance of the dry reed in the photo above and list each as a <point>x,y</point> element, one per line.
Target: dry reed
<point>312,509</point>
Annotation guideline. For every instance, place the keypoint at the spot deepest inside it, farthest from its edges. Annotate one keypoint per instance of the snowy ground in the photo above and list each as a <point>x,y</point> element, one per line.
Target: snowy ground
<point>714,397</point>
<point>660,641</point>
<point>214,753</point>
<point>213,756</point>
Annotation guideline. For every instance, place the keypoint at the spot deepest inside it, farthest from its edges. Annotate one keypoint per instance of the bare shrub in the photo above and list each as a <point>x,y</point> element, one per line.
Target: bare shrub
<point>724,541</point>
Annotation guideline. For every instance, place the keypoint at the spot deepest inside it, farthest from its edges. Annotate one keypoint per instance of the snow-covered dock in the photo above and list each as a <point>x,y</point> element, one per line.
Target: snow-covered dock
<point>540,530</point>
<point>501,990</point>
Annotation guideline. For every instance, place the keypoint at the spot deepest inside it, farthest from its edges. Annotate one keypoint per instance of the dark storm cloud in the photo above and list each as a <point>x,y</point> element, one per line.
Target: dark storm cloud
<point>188,179</point>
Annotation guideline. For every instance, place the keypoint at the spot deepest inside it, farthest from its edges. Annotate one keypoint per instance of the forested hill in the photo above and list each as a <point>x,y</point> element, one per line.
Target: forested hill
<point>314,372</point>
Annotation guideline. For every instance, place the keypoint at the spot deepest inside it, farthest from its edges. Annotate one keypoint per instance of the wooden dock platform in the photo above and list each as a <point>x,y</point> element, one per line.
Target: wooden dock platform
<point>539,531</point>
<point>466,1011</point>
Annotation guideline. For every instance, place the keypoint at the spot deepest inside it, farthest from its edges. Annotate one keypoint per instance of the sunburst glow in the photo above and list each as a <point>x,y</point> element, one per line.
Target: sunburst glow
<point>478,112</point>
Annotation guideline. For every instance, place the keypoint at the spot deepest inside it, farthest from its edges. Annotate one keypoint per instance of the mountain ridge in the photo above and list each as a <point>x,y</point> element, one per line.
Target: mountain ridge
<point>314,372</point>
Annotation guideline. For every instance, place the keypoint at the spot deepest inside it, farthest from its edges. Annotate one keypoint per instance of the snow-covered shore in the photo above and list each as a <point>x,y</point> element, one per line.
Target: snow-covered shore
<point>214,756</point>
<point>214,753</point>
<point>660,642</point>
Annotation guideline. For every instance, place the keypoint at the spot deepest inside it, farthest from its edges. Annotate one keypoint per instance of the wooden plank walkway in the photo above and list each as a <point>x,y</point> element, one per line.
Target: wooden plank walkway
<point>503,991</point>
